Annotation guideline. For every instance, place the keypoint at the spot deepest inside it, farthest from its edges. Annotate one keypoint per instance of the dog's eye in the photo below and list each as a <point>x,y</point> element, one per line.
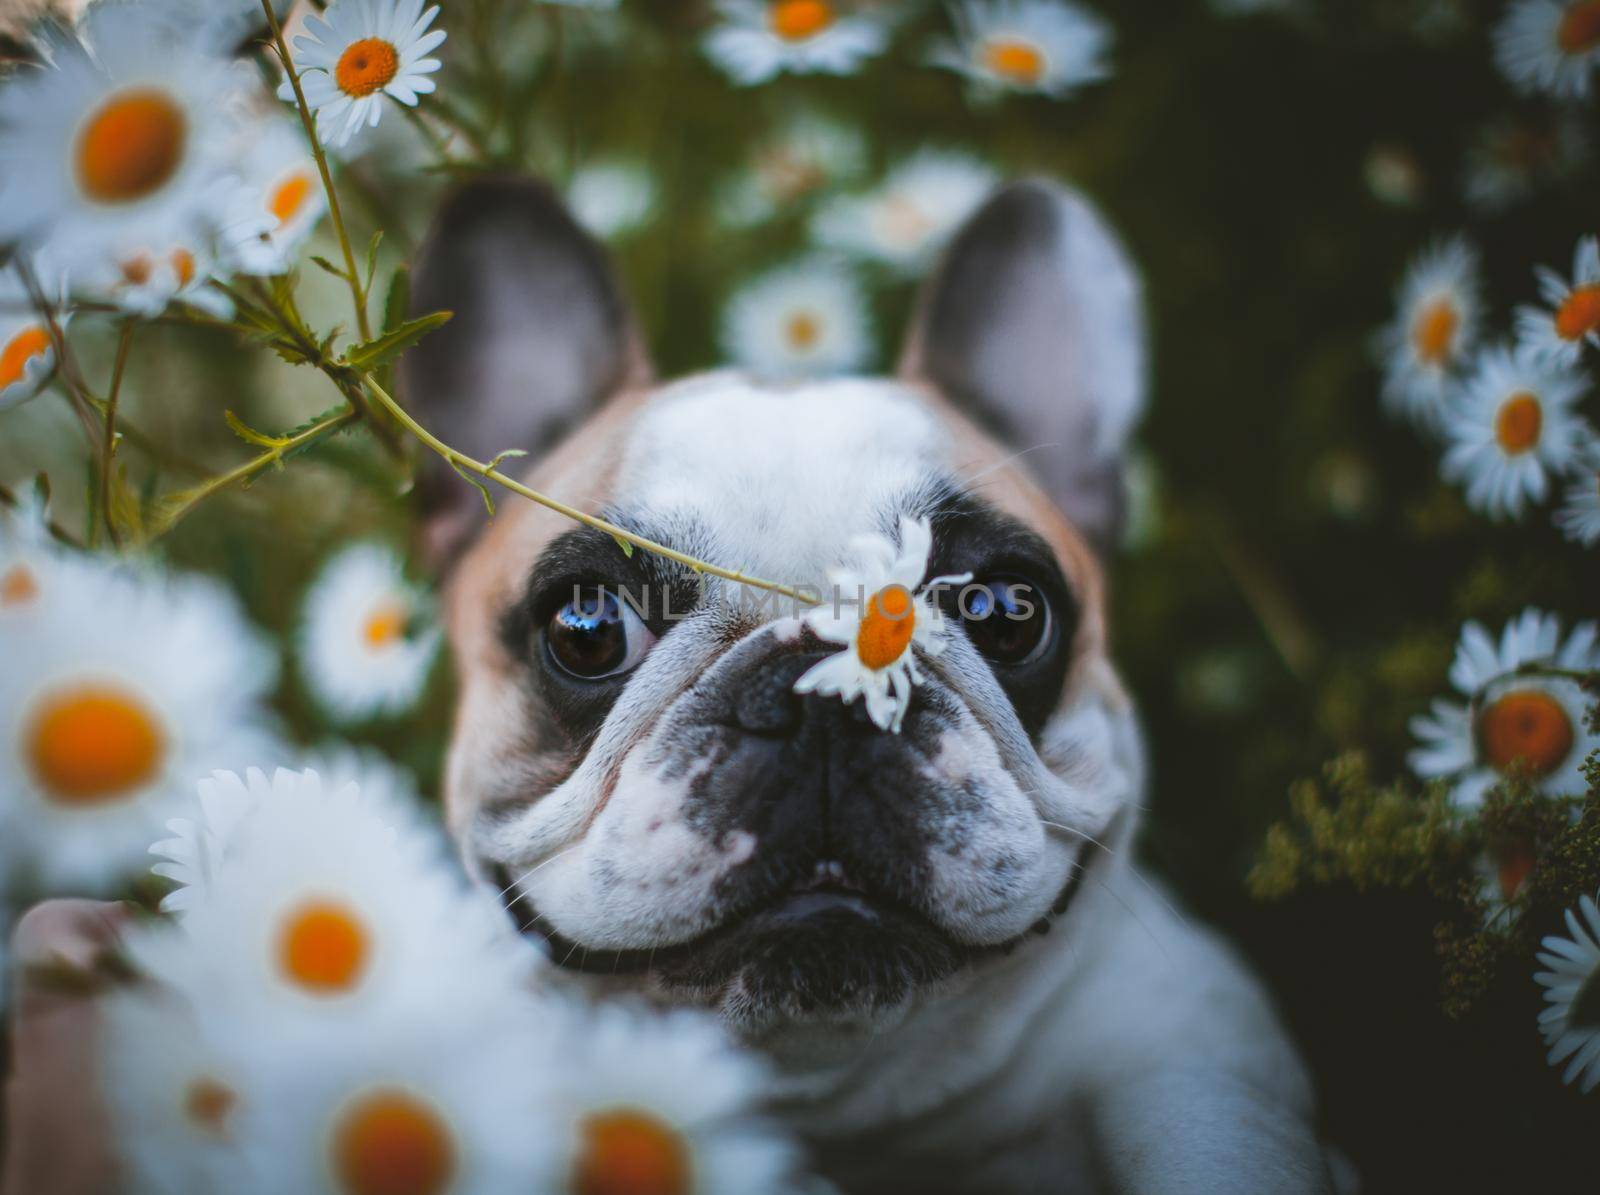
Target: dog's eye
<point>596,635</point>
<point>1007,619</point>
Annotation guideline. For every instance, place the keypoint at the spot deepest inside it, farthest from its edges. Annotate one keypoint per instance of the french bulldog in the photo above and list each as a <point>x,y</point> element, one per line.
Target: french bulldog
<point>936,932</point>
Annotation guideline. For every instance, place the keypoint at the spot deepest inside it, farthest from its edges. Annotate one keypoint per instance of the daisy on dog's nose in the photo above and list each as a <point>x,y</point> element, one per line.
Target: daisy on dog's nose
<point>880,610</point>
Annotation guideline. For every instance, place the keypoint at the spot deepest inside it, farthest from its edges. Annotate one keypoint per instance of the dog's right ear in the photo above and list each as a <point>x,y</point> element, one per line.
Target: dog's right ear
<point>541,335</point>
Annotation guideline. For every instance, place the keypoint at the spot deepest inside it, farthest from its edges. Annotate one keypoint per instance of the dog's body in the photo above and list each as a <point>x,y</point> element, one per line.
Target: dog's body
<point>935,932</point>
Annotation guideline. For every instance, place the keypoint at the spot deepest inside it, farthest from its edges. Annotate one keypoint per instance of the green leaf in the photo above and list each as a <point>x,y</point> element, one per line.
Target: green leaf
<point>398,300</point>
<point>327,265</point>
<point>627,548</point>
<point>508,454</point>
<point>482,489</point>
<point>390,345</point>
<point>249,434</point>
<point>372,260</point>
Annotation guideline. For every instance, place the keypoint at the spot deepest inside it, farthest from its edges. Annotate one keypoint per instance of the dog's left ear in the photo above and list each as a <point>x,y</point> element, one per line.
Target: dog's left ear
<point>1034,325</point>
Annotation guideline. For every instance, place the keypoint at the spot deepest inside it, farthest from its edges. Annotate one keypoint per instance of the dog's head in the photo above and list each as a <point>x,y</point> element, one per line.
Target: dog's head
<point>630,758</point>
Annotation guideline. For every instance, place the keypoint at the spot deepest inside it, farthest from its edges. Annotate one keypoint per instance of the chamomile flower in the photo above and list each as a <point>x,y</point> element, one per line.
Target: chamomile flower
<point>806,320</point>
<point>1052,47</point>
<point>662,1102</point>
<point>1529,724</point>
<point>122,689</point>
<point>1570,1024</point>
<point>757,40</point>
<point>1579,519</point>
<point>806,155</point>
<point>367,638</point>
<point>612,199</point>
<point>1514,426</point>
<point>279,201</point>
<point>1511,159</point>
<point>880,610</point>
<point>1435,325</point>
<point>1503,873</point>
<point>116,150</point>
<point>27,351</point>
<point>1549,45</point>
<point>1572,318</point>
<point>144,279</point>
<point>356,53</point>
<point>226,26</point>
<point>909,216</point>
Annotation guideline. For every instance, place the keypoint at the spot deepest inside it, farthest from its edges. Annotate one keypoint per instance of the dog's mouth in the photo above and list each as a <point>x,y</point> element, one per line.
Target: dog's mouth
<point>836,937</point>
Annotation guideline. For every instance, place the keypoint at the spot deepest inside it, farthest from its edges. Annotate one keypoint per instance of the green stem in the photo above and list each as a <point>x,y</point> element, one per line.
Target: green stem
<point>108,444</point>
<point>357,291</point>
<point>490,473</point>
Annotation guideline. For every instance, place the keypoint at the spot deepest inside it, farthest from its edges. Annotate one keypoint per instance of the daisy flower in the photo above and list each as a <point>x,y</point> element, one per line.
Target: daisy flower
<point>1573,316</point>
<point>367,638</point>
<point>880,610</point>
<point>27,353</point>
<point>808,154</point>
<point>119,691</point>
<point>1549,45</point>
<point>757,40</point>
<point>611,199</point>
<point>1438,310</point>
<point>1525,723</point>
<point>805,320</point>
<point>1570,1024</point>
<point>226,26</point>
<point>1047,46</point>
<point>279,201</point>
<point>903,223</point>
<point>356,53</point>
<point>1511,159</point>
<point>1579,519</point>
<point>1502,876</point>
<point>1514,425</point>
<point>628,1120</point>
<point>115,152</point>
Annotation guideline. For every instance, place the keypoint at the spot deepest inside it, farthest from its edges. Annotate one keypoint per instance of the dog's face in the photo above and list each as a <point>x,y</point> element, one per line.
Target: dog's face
<point>631,762</point>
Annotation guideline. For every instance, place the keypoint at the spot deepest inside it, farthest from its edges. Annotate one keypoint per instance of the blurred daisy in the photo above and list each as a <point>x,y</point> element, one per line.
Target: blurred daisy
<point>115,151</point>
<point>1394,176</point>
<point>122,690</point>
<point>1573,316</point>
<point>225,26</point>
<point>1570,1024</point>
<point>279,202</point>
<point>903,223</point>
<point>146,281</point>
<point>1048,46</point>
<point>1511,723</point>
<point>367,638</point>
<point>808,154</point>
<point>1579,519</point>
<point>1511,159</point>
<point>1549,45</point>
<point>611,199</point>
<point>1435,325</point>
<point>1502,878</point>
<point>1514,426</point>
<point>757,40</point>
<point>27,353</point>
<point>806,320</point>
<point>880,609</point>
<point>356,53</point>
<point>631,1123</point>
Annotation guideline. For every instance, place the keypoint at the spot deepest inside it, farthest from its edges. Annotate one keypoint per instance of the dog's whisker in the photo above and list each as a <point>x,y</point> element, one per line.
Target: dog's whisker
<point>1129,909</point>
<point>527,875</point>
<point>1134,871</point>
<point>996,466</point>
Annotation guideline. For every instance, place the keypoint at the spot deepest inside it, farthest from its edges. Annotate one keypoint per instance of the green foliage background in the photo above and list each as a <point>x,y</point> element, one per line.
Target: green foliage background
<point>1308,575</point>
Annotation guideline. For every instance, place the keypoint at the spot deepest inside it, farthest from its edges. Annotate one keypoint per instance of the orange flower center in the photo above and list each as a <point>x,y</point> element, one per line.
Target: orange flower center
<point>131,146</point>
<point>1515,865</point>
<point>384,626</point>
<point>183,266</point>
<point>1013,60</point>
<point>1518,423</point>
<point>389,1142</point>
<point>901,222</point>
<point>323,947</point>
<point>136,270</point>
<point>93,744</point>
<point>1579,30</point>
<point>207,1103</point>
<point>796,20</point>
<point>630,1153</point>
<point>886,627</point>
<point>1579,313</point>
<point>803,331</point>
<point>1528,726</point>
<point>1434,331</point>
<point>18,586</point>
<point>289,197</point>
<point>366,66</point>
<point>33,341</point>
